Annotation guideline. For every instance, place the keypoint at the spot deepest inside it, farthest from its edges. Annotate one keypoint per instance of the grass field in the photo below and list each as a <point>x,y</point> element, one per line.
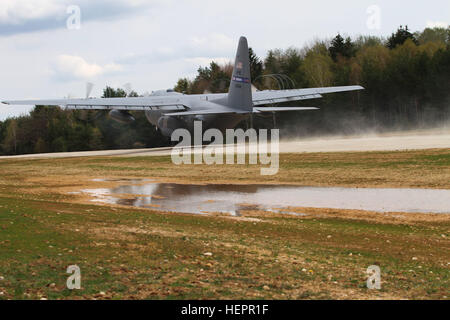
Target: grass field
<point>137,253</point>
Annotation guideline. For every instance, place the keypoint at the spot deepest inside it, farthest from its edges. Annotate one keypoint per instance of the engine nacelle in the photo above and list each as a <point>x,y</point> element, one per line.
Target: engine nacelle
<point>121,116</point>
<point>167,125</point>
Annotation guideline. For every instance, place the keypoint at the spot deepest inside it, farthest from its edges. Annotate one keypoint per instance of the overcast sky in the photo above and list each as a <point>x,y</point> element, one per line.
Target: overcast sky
<point>152,43</point>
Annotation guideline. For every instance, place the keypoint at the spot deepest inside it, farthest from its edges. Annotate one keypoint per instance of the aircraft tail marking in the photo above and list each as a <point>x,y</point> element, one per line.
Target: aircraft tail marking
<point>240,92</point>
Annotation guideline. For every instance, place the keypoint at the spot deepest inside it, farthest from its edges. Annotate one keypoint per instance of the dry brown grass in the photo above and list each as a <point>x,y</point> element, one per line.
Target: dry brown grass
<point>138,253</point>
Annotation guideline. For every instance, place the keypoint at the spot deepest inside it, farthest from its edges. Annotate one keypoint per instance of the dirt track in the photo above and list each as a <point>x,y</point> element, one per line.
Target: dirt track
<point>412,140</point>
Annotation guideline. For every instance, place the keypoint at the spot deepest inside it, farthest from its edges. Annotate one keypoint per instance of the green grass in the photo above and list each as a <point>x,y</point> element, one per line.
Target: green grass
<point>141,254</point>
<point>35,254</point>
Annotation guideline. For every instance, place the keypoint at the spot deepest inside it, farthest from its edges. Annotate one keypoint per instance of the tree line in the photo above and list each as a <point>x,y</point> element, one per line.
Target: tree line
<point>406,76</point>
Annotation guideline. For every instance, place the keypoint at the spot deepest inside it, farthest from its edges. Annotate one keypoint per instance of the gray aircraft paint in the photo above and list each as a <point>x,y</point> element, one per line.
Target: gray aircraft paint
<point>240,92</point>
<point>168,110</point>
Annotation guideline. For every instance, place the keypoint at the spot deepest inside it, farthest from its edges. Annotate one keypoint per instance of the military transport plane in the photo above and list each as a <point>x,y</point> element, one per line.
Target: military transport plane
<point>169,110</point>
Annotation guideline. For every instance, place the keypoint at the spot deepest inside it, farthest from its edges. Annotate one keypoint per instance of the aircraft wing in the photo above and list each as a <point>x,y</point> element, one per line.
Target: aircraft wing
<point>278,109</point>
<point>277,96</point>
<point>224,110</point>
<point>166,103</point>
<point>179,104</point>
<point>215,110</point>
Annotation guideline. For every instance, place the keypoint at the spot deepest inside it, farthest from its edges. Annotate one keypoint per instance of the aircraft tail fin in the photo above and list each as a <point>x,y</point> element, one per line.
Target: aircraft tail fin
<point>240,92</point>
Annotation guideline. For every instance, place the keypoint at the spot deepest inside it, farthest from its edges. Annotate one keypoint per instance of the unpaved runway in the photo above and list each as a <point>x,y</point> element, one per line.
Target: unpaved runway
<point>388,142</point>
<point>415,140</point>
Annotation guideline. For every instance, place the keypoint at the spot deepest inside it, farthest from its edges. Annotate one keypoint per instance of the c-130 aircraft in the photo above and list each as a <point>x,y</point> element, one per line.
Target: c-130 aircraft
<point>169,110</point>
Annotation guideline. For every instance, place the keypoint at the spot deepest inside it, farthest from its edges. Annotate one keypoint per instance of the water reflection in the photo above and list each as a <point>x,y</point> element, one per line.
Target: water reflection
<point>231,199</point>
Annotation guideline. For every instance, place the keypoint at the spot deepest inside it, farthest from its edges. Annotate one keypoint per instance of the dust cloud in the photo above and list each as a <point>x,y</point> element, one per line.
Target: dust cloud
<point>370,141</point>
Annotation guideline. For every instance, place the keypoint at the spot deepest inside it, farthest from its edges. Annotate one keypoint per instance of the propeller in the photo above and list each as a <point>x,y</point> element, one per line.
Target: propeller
<point>127,87</point>
<point>89,87</point>
<point>87,115</point>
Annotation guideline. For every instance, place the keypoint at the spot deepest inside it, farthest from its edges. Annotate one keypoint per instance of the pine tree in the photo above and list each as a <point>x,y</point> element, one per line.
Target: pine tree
<point>399,37</point>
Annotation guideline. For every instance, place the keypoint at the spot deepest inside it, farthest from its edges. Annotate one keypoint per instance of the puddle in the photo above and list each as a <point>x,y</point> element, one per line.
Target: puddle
<point>231,199</point>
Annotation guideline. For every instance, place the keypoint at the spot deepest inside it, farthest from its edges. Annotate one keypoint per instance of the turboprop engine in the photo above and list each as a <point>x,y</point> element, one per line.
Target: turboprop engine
<point>167,125</point>
<point>121,116</point>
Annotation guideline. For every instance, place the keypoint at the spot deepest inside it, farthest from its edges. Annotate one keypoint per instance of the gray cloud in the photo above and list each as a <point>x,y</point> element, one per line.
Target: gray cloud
<point>17,19</point>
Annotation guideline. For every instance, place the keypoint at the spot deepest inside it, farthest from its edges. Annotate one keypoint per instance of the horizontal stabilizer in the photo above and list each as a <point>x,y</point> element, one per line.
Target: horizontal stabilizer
<point>203,112</point>
<point>277,96</point>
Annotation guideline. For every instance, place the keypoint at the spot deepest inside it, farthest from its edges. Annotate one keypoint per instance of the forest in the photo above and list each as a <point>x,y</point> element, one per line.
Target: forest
<point>406,78</point>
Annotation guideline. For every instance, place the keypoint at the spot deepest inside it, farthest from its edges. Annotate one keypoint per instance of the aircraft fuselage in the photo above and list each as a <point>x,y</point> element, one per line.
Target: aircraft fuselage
<point>167,124</point>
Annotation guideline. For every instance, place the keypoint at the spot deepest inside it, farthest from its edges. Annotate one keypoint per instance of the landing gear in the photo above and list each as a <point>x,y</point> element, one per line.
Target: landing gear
<point>274,120</point>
